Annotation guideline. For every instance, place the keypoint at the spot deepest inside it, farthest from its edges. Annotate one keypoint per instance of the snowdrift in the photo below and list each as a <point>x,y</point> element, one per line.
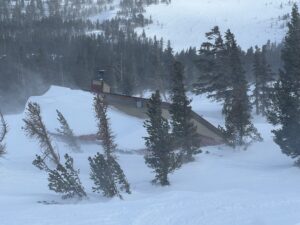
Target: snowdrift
<point>259,186</point>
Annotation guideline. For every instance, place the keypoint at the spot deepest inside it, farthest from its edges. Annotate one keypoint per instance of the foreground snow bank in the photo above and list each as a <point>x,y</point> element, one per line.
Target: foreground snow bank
<point>225,187</point>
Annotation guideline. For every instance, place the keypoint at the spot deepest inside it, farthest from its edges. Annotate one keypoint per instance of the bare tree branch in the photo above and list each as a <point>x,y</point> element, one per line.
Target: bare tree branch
<point>3,133</point>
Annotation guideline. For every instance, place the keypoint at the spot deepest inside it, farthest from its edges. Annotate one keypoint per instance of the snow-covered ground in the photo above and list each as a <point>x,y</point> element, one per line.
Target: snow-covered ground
<point>259,186</point>
<point>185,22</point>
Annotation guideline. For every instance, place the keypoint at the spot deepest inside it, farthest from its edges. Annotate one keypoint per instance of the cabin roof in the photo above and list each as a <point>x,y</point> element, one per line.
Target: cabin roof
<point>165,105</point>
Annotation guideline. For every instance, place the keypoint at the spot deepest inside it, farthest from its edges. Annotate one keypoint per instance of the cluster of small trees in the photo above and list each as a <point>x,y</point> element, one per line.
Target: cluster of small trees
<point>62,178</point>
<point>37,9</point>
<point>106,173</point>
<point>54,51</point>
<point>224,80</point>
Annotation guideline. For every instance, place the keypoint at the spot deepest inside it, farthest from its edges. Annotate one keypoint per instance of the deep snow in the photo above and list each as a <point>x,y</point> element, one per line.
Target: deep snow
<point>185,22</point>
<point>259,186</point>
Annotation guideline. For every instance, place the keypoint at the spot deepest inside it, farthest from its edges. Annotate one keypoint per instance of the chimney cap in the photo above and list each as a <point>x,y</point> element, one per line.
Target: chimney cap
<point>100,74</point>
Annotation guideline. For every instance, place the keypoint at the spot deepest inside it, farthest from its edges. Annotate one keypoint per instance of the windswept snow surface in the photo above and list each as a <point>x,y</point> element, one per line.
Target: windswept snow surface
<point>259,186</point>
<point>185,22</point>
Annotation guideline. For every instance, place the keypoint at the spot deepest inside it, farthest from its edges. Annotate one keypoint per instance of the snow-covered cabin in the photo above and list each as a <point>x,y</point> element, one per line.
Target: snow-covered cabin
<point>137,107</point>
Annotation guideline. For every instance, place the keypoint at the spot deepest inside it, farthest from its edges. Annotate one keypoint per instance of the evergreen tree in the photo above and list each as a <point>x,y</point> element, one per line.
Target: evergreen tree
<point>108,176</point>
<point>285,108</point>
<point>67,132</point>
<point>106,173</point>
<point>168,60</point>
<point>3,133</point>
<point>104,131</point>
<point>263,78</point>
<point>158,70</point>
<point>237,108</point>
<point>223,78</point>
<point>213,65</point>
<point>64,179</point>
<point>35,128</point>
<point>160,155</point>
<point>184,131</point>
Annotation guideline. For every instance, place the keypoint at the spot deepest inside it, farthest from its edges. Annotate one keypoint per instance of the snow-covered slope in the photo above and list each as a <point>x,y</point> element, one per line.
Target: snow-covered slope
<point>225,187</point>
<point>185,22</point>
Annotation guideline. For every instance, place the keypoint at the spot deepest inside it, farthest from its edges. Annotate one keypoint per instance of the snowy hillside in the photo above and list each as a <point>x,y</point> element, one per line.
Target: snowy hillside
<point>226,187</point>
<point>185,22</point>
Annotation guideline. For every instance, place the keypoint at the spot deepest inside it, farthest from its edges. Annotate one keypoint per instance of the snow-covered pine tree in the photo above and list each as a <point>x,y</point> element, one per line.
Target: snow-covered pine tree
<point>3,133</point>
<point>108,177</point>
<point>119,176</point>
<point>67,132</point>
<point>106,173</point>
<point>102,177</point>
<point>237,108</point>
<point>285,107</point>
<point>223,79</point>
<point>184,131</point>
<point>104,132</point>
<point>213,66</point>
<point>263,78</point>
<point>35,128</point>
<point>64,179</point>
<point>160,154</point>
